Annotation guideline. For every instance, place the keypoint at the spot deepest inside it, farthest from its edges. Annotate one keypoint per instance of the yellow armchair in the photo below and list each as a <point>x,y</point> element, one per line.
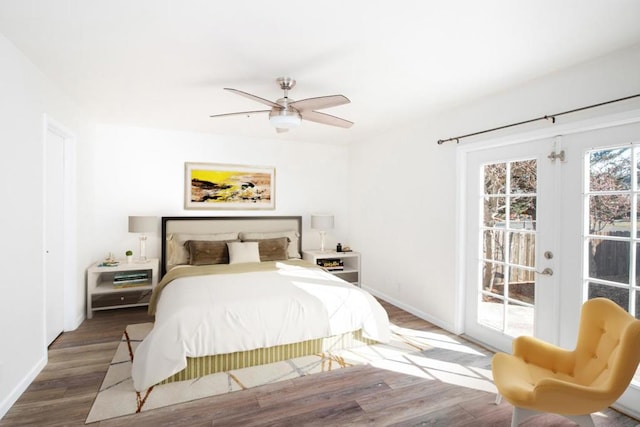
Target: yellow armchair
<point>540,377</point>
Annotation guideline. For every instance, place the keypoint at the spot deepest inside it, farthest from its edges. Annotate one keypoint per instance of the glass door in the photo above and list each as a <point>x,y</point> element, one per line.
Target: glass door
<point>601,233</point>
<point>510,286</point>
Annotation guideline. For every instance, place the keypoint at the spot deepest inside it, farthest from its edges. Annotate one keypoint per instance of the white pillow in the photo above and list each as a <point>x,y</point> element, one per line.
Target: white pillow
<point>177,253</point>
<point>294,236</point>
<point>240,252</point>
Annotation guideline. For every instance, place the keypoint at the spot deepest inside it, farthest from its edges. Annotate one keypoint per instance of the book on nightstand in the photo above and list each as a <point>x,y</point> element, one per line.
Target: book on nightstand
<point>331,264</point>
<point>130,279</point>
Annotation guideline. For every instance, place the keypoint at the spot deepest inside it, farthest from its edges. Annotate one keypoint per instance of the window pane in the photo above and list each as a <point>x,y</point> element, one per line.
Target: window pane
<point>519,320</point>
<point>495,178</point>
<point>637,151</point>
<point>524,177</point>
<point>493,278</point>
<point>493,244</point>
<point>494,211</point>
<point>491,312</point>
<point>618,295</point>
<point>609,260</point>
<point>522,213</point>
<point>637,269</point>
<point>522,285</point>
<point>638,217</point>
<point>610,170</point>
<point>609,215</point>
<point>523,247</point>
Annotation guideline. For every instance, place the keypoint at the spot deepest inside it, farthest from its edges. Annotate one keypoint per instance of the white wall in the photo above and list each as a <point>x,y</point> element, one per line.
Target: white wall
<point>403,185</point>
<point>27,96</point>
<point>137,171</point>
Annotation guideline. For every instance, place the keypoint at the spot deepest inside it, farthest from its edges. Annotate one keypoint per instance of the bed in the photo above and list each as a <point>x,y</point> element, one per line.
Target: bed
<point>236,293</point>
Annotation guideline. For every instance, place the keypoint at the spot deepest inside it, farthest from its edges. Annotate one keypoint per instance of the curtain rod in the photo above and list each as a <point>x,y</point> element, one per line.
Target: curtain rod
<point>551,117</point>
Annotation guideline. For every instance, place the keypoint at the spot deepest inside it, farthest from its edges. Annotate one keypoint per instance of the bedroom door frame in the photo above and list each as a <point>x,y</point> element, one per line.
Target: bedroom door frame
<point>68,250</point>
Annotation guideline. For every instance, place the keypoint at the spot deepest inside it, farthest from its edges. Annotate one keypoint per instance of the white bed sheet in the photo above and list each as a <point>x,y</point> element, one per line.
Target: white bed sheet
<point>224,313</point>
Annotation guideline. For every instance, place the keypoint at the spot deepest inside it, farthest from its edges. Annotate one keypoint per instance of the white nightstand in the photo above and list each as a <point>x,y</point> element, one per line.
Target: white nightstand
<point>103,294</point>
<point>350,270</point>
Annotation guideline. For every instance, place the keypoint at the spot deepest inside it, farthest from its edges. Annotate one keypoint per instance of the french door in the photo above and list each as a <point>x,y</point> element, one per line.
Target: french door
<point>511,257</point>
<point>601,210</point>
<point>549,224</point>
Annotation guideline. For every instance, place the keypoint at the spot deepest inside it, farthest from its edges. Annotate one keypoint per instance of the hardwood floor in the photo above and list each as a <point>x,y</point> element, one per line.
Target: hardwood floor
<point>362,395</point>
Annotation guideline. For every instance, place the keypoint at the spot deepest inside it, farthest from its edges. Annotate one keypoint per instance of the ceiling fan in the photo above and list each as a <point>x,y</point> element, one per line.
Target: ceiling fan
<point>286,113</point>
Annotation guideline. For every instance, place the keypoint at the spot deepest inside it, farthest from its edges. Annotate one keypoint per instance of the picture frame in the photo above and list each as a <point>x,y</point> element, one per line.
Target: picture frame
<point>228,186</point>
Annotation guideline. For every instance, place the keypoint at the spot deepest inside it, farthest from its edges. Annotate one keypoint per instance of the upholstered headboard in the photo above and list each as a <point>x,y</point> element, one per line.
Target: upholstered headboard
<point>203,225</point>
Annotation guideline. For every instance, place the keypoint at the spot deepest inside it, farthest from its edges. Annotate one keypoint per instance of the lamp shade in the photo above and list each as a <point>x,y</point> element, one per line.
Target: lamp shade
<point>142,224</point>
<point>321,221</point>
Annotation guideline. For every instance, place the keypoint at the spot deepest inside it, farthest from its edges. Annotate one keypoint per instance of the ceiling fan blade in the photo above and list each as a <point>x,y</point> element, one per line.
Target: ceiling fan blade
<point>319,102</point>
<point>255,98</point>
<point>325,119</point>
<point>282,130</point>
<point>241,113</point>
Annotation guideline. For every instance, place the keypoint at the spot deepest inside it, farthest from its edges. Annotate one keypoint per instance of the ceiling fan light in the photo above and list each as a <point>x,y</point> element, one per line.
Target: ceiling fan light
<point>285,121</point>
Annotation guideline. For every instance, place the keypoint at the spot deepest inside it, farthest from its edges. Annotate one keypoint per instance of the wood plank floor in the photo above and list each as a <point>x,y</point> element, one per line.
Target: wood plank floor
<point>362,395</point>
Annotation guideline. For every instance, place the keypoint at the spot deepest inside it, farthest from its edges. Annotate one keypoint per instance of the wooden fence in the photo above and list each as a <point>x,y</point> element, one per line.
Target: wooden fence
<point>608,259</point>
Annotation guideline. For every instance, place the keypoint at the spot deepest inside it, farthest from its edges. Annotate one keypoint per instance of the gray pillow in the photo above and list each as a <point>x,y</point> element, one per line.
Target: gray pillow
<point>207,252</point>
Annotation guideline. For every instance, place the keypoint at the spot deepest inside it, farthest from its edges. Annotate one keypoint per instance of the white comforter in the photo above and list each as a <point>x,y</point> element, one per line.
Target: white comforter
<point>224,313</point>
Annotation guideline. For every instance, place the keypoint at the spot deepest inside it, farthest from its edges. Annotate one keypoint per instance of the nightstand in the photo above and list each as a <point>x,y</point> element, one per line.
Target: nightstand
<point>125,285</point>
<point>348,271</point>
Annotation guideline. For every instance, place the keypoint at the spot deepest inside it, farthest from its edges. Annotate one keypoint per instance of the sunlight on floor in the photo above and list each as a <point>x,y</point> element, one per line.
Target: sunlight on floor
<point>434,356</point>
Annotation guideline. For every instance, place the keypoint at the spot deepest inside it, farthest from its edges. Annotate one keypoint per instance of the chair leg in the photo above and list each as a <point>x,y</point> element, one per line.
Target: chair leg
<point>582,420</point>
<point>520,414</point>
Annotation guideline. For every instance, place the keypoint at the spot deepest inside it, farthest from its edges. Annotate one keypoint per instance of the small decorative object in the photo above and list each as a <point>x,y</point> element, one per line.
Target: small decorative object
<point>109,261</point>
<point>339,247</point>
<point>129,255</point>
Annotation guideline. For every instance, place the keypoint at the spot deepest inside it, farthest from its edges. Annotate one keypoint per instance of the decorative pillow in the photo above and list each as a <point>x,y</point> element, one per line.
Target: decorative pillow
<point>240,252</point>
<point>177,252</point>
<point>206,252</point>
<point>272,249</point>
<point>294,237</point>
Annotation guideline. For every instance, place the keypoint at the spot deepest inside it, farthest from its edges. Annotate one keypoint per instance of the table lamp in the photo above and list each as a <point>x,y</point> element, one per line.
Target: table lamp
<point>322,222</point>
<point>142,225</point>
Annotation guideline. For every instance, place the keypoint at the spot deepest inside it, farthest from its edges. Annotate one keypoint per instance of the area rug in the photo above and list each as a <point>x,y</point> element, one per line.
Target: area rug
<point>117,396</point>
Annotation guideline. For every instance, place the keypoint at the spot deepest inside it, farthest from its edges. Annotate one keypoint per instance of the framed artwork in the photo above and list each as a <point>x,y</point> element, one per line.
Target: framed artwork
<point>221,186</point>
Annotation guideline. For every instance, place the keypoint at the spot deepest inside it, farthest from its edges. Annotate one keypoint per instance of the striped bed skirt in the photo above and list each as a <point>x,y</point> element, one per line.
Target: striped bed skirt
<point>201,366</point>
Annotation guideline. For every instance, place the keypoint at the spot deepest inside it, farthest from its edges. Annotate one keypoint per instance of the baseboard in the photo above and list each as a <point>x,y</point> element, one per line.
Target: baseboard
<point>628,411</point>
<point>20,388</point>
<point>424,316</point>
<point>79,319</point>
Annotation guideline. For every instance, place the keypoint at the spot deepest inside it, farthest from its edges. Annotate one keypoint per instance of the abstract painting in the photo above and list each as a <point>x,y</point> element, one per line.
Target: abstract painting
<point>222,186</point>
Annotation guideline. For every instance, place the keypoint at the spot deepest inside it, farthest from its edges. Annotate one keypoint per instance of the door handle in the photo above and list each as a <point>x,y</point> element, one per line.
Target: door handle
<point>546,272</point>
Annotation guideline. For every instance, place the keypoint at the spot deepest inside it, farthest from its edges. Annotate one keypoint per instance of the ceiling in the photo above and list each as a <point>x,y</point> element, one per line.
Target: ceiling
<point>164,63</point>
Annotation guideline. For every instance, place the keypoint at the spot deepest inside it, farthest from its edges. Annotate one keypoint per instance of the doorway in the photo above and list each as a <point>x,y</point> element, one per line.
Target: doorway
<point>59,230</point>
